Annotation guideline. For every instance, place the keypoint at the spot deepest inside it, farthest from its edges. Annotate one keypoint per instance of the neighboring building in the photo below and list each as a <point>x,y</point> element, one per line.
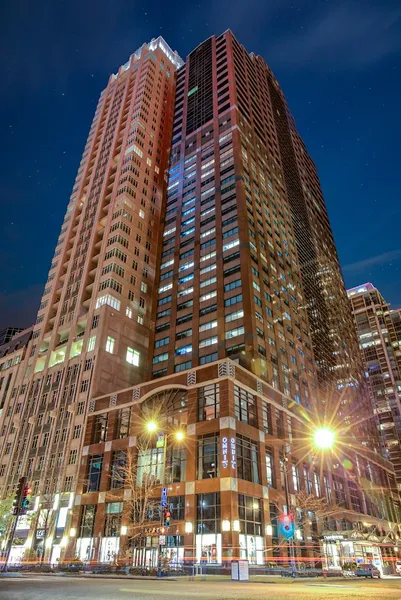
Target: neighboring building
<point>93,326</point>
<point>379,330</point>
<point>12,354</point>
<point>8,333</point>
<point>225,481</point>
<point>227,303</point>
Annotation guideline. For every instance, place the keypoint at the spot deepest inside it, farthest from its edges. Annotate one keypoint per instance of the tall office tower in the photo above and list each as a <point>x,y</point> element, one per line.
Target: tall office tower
<point>335,345</point>
<point>230,281</point>
<point>379,330</point>
<point>93,325</point>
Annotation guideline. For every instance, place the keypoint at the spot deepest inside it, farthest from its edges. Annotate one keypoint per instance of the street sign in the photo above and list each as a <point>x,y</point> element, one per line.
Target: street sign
<point>160,440</point>
<point>162,540</point>
<point>163,501</point>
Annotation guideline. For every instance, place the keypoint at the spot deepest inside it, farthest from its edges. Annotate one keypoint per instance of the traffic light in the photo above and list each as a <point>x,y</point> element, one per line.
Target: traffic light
<point>287,526</point>
<point>19,494</point>
<point>166,517</point>
<point>25,502</point>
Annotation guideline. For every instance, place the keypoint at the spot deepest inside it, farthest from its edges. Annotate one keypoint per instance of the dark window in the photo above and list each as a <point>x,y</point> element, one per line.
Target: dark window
<point>117,469</point>
<point>94,472</point>
<point>267,418</point>
<point>88,513</point>
<point>274,524</point>
<point>100,429</point>
<point>112,522</point>
<point>176,506</point>
<point>339,491</point>
<point>208,512</point>
<point>207,310</point>
<point>355,496</point>
<point>247,459</point>
<point>208,456</point>
<point>245,406</point>
<point>270,467</point>
<point>280,424</point>
<point>122,423</point>
<point>250,515</point>
<point>209,402</point>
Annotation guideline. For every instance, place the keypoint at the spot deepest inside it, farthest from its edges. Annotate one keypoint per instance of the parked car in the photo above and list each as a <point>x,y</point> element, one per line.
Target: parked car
<point>368,570</point>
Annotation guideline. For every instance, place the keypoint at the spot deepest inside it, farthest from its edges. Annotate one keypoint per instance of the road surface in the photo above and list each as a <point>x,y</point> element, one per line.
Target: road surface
<point>41,587</point>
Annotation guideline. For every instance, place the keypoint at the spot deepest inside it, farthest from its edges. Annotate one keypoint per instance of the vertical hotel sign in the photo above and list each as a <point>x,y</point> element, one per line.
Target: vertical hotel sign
<point>228,452</point>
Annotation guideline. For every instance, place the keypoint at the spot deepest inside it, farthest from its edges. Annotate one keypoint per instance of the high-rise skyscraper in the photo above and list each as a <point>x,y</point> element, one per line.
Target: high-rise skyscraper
<point>94,321</point>
<point>230,281</point>
<point>231,319</point>
<point>379,330</point>
<point>253,334</point>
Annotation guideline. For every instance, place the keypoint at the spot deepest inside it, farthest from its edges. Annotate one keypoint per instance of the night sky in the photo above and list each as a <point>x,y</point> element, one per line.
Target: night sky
<point>339,64</point>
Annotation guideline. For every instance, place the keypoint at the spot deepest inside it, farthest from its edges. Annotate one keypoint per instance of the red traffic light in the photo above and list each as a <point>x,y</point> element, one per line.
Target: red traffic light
<point>287,522</point>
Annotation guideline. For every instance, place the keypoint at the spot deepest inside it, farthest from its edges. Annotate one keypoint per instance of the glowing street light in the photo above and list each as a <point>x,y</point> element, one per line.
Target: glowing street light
<point>324,438</point>
<point>151,426</point>
<point>179,435</point>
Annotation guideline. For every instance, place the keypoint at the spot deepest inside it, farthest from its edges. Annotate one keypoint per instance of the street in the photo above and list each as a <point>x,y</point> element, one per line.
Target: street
<point>71,588</point>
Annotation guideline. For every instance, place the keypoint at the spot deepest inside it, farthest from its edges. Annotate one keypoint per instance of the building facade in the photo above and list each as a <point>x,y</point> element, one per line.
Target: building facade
<point>94,322</point>
<point>379,330</point>
<point>225,480</point>
<point>230,282</point>
<point>191,277</point>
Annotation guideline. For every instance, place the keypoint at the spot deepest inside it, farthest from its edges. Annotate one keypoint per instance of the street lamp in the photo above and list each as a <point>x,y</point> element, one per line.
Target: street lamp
<point>151,426</point>
<point>324,438</point>
<point>179,436</point>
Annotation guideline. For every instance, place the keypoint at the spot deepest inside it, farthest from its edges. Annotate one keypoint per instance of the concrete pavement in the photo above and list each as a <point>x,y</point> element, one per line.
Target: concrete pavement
<point>37,587</point>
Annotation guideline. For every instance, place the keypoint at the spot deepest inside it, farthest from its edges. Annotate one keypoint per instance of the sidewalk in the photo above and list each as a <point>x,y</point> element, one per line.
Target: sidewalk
<point>267,579</point>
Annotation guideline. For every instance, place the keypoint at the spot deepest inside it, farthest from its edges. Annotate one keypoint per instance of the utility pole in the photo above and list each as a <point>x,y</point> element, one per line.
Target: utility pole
<point>163,477</point>
<point>287,501</point>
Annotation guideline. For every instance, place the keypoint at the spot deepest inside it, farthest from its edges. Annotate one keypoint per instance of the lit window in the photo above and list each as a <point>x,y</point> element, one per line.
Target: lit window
<point>144,287</point>
<point>230,245</point>
<point>140,319</point>
<point>183,350</point>
<point>132,357</point>
<point>128,312</point>
<point>208,296</point>
<point>110,300</point>
<point>110,344</point>
<point>235,315</point>
<point>141,214</point>
<point>208,342</point>
<point>91,343</point>
<point>164,288</point>
<point>209,325</point>
<point>234,332</point>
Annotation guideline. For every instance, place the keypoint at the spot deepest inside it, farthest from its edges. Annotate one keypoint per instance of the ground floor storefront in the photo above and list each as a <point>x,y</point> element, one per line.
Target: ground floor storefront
<point>343,551</point>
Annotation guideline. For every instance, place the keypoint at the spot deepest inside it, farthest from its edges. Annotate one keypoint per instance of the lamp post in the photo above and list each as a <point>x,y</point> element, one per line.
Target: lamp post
<point>323,439</point>
<point>179,436</point>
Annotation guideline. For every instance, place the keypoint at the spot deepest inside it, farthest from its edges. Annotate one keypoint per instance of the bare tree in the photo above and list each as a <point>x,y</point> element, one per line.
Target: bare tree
<point>321,507</point>
<point>141,493</point>
<point>46,514</point>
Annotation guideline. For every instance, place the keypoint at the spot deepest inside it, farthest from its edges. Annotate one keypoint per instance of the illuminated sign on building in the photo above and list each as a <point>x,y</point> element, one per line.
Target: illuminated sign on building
<point>228,452</point>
